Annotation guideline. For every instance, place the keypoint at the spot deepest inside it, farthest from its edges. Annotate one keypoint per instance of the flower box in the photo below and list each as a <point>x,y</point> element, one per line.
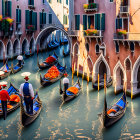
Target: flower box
<point>121,32</point>
<point>90,6</point>
<point>91,32</point>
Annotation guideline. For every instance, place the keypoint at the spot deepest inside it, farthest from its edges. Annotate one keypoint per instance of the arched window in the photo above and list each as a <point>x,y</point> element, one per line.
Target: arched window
<point>117,47</point>
<point>132,46</point>
<point>87,47</point>
<point>97,48</point>
<point>128,64</point>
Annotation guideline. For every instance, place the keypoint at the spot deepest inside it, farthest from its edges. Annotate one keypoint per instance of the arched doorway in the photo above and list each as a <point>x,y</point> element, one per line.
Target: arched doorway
<point>100,67</point>
<point>102,70</point>
<point>119,78</point>
<point>25,46</point>
<point>1,50</point>
<point>16,48</point>
<point>9,49</point>
<point>138,78</point>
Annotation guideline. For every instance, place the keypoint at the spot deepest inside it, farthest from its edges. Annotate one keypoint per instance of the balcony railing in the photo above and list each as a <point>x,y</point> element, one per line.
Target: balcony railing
<point>124,9</point>
<point>90,7</point>
<point>99,34</point>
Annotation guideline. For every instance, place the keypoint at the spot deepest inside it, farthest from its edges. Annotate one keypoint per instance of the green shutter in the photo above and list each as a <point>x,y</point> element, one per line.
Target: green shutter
<point>3,9</point>
<point>99,22</point>
<point>67,2</point>
<point>27,17</point>
<point>89,22</point>
<point>96,21</point>
<point>84,22</point>
<point>10,8</point>
<point>19,15</point>
<point>103,22</point>
<point>77,20</point>
<point>40,17</point>
<point>32,2</point>
<point>50,18</point>
<point>34,19</point>
<point>6,8</point>
<point>17,20</point>
<point>120,23</point>
<point>44,18</point>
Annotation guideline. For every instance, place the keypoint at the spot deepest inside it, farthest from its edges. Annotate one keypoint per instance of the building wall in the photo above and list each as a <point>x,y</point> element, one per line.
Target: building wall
<point>113,59</point>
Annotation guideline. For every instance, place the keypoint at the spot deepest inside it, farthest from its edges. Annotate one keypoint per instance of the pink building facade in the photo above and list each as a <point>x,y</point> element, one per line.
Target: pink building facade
<point>106,39</point>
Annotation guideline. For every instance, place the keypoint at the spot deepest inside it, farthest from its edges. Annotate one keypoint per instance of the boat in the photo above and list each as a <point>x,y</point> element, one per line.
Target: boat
<point>44,64</point>
<point>26,118</point>
<point>6,69</point>
<point>52,45</point>
<point>67,96</point>
<point>46,82</point>
<point>101,83</point>
<point>11,106</point>
<point>17,68</point>
<point>115,112</point>
<point>29,54</point>
<point>66,53</point>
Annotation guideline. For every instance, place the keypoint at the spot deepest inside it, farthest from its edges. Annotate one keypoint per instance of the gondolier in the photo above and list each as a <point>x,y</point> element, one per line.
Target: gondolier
<point>65,82</point>
<point>26,91</point>
<point>4,96</point>
<point>20,60</point>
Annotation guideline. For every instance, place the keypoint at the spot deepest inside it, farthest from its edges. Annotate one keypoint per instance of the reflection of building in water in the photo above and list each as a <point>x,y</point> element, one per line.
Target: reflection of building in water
<point>112,33</point>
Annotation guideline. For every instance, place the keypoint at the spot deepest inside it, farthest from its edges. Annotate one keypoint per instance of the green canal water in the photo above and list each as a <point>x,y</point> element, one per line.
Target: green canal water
<point>77,119</point>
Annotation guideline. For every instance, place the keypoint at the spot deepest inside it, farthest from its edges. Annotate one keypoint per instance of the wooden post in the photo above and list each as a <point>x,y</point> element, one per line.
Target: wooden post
<point>131,92</point>
<point>105,82</point>
<point>98,82</point>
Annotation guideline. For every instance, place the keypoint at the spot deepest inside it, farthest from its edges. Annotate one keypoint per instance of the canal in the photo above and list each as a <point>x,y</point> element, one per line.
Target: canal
<point>77,119</point>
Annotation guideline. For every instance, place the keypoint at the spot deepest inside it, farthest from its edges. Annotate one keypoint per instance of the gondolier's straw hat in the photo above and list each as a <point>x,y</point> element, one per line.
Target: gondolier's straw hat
<point>26,75</point>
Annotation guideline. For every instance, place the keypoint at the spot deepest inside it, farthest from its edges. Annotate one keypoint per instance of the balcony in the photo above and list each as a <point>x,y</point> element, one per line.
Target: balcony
<point>90,7</point>
<point>31,6</point>
<point>124,10</point>
<point>30,28</point>
<point>93,33</point>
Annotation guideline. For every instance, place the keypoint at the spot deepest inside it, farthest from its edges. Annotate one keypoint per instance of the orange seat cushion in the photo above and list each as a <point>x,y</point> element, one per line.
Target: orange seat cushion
<point>111,110</point>
<point>14,98</point>
<point>73,90</point>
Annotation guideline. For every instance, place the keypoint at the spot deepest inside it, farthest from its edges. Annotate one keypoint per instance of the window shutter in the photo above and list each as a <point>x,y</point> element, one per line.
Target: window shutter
<point>103,22</point>
<point>84,22</point>
<point>77,20</point>
<point>120,23</point>
<point>34,19</point>
<point>32,2</point>
<point>89,22</point>
<point>17,19</point>
<point>20,15</point>
<point>44,18</point>
<point>27,16</point>
<point>116,23</point>
<point>40,15</point>
<point>50,18</point>
<point>29,2</point>
<point>96,21</point>
<point>3,9</point>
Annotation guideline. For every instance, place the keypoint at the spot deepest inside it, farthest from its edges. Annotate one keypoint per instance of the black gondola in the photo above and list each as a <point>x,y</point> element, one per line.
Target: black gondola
<point>45,65</point>
<point>14,105</point>
<point>63,41</point>
<point>115,112</point>
<point>46,82</point>
<point>101,84</point>
<point>17,68</point>
<point>6,69</point>
<point>52,45</point>
<point>66,53</point>
<point>67,96</point>
<point>26,118</point>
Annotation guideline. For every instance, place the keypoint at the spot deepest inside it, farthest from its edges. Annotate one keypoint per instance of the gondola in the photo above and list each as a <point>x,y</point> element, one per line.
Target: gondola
<point>13,105</point>
<point>70,95</point>
<point>46,82</point>
<point>101,84</point>
<point>44,64</point>
<point>17,68</point>
<point>52,45</point>
<point>26,118</point>
<point>66,53</point>
<point>7,71</point>
<point>115,112</point>
<point>29,54</point>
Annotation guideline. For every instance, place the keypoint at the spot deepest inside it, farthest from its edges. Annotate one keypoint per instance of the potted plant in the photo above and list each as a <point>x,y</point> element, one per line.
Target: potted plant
<point>86,6</point>
<point>121,33</point>
<point>91,32</point>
